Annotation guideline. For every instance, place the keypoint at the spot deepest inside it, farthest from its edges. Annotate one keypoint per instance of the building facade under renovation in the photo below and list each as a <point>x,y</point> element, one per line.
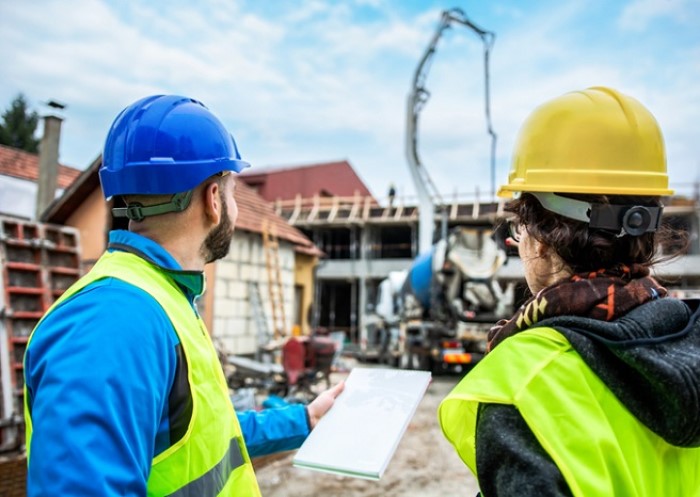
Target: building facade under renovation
<point>365,241</point>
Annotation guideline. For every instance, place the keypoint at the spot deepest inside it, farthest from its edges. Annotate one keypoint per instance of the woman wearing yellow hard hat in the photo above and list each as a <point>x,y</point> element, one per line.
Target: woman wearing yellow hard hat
<point>593,387</point>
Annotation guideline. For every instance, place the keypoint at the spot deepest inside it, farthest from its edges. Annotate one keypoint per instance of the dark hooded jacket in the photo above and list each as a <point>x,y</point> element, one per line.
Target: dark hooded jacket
<point>649,358</point>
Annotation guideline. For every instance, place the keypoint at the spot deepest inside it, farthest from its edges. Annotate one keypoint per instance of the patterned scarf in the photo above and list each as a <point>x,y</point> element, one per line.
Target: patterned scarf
<point>605,295</point>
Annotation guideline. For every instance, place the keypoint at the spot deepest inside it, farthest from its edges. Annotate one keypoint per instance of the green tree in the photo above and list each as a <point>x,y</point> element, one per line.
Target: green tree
<point>19,125</point>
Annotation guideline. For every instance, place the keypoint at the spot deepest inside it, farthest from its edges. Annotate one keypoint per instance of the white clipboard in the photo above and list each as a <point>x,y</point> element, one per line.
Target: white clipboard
<point>359,435</point>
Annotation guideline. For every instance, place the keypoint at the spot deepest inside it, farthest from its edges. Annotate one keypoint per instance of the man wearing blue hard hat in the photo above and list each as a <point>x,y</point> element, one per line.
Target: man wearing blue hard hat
<point>124,391</point>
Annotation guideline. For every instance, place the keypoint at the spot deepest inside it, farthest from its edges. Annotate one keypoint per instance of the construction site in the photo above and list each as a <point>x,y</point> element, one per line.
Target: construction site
<point>322,276</point>
<point>309,265</point>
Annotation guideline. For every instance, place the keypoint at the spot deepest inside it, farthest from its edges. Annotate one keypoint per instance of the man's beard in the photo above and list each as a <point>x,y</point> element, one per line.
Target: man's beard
<point>218,242</point>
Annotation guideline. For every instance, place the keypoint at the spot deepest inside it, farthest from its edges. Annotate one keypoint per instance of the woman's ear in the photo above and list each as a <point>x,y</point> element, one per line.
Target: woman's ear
<point>554,260</point>
<point>541,249</point>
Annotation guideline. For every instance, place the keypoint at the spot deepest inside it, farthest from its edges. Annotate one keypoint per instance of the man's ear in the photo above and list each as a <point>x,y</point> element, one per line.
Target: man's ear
<point>213,209</point>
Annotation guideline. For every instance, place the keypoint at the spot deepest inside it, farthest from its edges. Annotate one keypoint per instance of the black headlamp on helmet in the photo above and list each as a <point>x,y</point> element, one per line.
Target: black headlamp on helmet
<point>622,219</point>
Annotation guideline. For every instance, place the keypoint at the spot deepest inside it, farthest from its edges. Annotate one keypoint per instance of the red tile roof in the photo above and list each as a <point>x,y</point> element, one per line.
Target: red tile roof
<point>325,179</point>
<point>253,211</point>
<point>24,165</point>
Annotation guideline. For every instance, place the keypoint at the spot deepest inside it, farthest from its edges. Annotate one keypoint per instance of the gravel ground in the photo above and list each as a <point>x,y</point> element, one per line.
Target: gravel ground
<point>424,464</point>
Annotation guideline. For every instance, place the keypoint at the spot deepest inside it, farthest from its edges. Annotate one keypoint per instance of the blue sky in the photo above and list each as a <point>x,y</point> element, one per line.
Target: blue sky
<point>300,82</point>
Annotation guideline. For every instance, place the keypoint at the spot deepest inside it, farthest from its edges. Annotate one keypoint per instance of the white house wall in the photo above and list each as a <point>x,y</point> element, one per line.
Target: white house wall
<point>234,326</point>
<point>18,197</point>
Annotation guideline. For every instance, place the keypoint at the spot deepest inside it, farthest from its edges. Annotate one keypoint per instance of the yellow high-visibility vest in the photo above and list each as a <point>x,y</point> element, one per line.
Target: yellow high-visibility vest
<point>600,448</point>
<point>211,458</point>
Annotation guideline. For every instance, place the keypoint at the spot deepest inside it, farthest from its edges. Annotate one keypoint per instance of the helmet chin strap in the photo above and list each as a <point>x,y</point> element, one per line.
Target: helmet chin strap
<point>634,220</point>
<point>137,211</point>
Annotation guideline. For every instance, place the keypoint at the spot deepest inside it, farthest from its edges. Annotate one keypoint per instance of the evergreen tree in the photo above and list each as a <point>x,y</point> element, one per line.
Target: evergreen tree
<point>19,125</point>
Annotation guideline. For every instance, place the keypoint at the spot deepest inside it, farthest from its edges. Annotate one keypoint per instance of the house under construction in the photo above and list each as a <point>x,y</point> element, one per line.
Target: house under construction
<point>364,239</point>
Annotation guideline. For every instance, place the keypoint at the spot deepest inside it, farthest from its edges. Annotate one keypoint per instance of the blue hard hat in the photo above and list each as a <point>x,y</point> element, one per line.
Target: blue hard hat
<point>165,144</point>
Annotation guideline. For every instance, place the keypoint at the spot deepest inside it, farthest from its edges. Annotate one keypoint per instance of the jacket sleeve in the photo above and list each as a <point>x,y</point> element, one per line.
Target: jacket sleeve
<point>509,459</point>
<point>274,430</point>
<point>98,372</point>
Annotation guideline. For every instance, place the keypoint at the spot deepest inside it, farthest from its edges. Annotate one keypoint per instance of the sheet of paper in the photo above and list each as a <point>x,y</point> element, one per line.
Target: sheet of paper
<point>359,435</point>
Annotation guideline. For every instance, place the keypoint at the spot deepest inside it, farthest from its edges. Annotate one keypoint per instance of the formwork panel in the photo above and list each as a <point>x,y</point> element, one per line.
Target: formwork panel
<point>38,262</point>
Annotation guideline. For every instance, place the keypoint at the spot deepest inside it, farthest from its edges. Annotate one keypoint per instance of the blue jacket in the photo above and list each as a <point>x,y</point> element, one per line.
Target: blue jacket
<point>99,373</point>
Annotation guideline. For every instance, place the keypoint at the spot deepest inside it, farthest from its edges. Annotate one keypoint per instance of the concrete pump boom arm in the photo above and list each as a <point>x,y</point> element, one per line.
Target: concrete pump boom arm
<point>419,95</point>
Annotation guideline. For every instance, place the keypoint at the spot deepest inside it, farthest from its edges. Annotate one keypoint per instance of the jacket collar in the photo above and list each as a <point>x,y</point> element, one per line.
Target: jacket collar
<point>192,282</point>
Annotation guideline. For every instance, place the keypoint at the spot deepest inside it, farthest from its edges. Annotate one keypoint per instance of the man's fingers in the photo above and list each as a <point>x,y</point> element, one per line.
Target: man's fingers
<point>335,390</point>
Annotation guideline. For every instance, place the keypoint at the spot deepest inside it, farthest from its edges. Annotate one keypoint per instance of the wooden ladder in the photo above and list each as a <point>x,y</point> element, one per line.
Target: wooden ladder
<point>274,279</point>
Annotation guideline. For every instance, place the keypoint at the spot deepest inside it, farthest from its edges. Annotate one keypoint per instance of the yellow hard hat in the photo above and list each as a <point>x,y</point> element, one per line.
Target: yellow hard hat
<point>594,141</point>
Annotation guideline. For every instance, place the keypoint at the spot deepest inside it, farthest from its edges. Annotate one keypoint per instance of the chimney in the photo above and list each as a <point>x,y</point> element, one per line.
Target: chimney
<point>48,160</point>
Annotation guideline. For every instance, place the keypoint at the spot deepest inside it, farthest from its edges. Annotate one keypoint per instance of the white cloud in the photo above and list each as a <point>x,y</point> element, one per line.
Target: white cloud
<point>638,14</point>
<point>311,81</point>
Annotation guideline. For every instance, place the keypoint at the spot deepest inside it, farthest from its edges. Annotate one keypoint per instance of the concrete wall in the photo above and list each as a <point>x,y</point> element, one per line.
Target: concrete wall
<point>234,325</point>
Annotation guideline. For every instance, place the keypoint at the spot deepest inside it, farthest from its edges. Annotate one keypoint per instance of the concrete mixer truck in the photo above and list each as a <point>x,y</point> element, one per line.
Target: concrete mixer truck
<point>436,315</point>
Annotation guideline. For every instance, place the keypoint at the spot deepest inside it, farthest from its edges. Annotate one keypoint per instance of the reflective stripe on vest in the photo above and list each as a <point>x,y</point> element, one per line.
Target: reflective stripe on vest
<point>211,459</point>
<point>213,481</point>
<point>598,445</point>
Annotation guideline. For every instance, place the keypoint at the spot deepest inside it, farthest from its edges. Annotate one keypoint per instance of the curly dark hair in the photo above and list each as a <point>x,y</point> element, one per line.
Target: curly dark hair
<point>586,249</point>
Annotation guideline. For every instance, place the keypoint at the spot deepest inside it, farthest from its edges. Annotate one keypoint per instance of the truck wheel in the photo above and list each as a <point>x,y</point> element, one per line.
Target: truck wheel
<point>425,362</point>
<point>437,367</point>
